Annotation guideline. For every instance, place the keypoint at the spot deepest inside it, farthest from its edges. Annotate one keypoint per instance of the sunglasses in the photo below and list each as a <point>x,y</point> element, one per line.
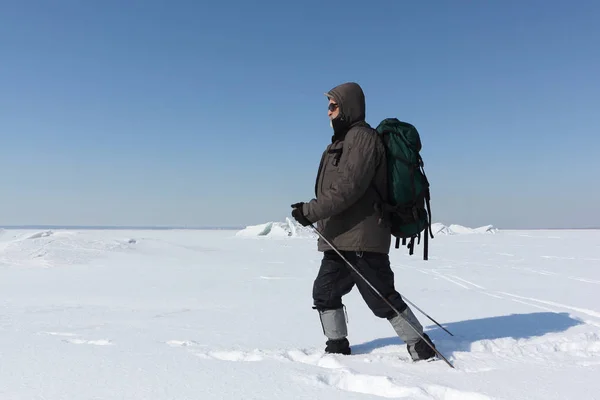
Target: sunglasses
<point>332,106</point>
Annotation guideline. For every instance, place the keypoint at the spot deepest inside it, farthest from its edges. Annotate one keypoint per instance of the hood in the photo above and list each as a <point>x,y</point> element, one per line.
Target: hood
<point>351,99</point>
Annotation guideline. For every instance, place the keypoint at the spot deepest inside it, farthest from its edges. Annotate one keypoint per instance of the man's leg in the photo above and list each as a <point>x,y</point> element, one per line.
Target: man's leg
<point>375,267</point>
<point>332,282</point>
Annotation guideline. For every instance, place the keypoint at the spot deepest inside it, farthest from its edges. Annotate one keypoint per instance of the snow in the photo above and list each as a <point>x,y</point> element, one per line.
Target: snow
<point>192,314</point>
<point>454,229</point>
<point>289,228</point>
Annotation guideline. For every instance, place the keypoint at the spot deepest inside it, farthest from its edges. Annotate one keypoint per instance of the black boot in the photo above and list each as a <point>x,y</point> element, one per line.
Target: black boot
<point>420,350</point>
<point>338,346</point>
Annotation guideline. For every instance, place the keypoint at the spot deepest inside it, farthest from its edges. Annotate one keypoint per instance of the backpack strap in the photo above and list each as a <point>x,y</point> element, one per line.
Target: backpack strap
<point>426,245</point>
<point>411,246</point>
<point>383,205</point>
<point>427,197</point>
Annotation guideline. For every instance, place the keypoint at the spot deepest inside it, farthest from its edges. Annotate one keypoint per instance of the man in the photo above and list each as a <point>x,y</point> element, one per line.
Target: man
<point>351,174</point>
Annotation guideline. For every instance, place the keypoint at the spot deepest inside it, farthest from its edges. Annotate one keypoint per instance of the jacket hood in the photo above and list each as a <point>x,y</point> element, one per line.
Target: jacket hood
<point>351,99</point>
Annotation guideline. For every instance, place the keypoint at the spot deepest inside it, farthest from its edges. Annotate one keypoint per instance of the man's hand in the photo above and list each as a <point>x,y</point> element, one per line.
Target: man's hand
<point>298,215</point>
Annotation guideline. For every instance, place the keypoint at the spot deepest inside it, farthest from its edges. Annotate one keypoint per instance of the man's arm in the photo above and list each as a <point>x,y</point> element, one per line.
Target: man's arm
<point>362,160</point>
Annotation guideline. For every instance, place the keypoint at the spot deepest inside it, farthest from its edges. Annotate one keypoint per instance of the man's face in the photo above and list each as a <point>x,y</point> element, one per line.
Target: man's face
<point>333,109</point>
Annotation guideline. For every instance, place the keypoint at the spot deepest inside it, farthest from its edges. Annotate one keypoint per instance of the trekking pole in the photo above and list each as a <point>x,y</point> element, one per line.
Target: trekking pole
<point>379,294</point>
<point>425,314</point>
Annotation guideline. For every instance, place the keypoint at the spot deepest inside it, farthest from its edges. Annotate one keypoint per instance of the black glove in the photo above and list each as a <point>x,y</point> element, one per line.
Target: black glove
<point>298,215</point>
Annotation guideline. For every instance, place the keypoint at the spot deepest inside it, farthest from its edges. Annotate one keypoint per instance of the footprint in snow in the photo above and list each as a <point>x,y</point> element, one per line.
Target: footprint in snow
<point>342,377</point>
<point>234,355</point>
<point>387,387</point>
<point>313,358</point>
<point>316,357</point>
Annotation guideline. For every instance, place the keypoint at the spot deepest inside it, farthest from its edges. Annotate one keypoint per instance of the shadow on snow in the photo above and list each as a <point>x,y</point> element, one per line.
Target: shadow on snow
<point>516,326</point>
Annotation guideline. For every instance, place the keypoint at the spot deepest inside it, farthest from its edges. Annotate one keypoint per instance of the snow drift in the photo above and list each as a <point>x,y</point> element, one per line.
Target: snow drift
<point>289,228</point>
<point>49,248</point>
<point>438,228</point>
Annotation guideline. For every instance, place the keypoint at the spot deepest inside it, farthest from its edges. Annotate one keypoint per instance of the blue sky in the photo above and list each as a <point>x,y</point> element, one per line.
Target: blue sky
<point>192,113</point>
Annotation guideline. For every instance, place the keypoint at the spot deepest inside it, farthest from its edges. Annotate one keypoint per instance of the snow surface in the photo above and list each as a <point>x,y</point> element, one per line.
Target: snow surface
<point>186,314</point>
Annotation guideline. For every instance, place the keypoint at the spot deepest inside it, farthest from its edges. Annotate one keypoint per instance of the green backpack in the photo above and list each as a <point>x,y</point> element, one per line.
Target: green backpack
<point>408,187</point>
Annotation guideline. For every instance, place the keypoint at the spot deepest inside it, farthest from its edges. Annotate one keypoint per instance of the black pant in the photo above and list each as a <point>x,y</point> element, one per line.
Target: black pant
<point>336,279</point>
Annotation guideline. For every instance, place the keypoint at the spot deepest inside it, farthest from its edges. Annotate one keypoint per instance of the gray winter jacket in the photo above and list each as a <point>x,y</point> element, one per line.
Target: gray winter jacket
<point>350,166</point>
